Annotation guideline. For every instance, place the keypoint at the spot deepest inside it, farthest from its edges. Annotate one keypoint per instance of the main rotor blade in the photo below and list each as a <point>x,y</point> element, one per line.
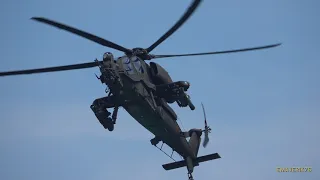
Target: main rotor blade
<point>51,69</point>
<point>178,24</point>
<point>217,52</point>
<point>83,34</point>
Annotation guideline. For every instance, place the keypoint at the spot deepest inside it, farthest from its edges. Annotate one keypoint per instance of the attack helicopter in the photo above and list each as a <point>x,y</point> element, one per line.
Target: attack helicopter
<point>144,91</point>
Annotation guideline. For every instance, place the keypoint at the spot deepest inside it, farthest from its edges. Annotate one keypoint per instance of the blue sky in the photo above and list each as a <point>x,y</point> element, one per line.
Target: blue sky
<point>263,106</point>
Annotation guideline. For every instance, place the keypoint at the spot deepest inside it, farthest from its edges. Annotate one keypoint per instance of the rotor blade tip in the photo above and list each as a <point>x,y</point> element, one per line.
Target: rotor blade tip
<point>275,45</point>
<point>35,18</point>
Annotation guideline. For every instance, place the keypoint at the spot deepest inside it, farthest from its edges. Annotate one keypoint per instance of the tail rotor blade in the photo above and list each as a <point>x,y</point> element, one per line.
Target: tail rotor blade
<point>204,114</point>
<point>206,139</point>
<point>206,130</point>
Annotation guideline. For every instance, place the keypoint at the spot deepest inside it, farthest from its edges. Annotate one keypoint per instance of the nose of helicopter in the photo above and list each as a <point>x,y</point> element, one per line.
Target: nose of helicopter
<point>186,85</point>
<point>107,56</point>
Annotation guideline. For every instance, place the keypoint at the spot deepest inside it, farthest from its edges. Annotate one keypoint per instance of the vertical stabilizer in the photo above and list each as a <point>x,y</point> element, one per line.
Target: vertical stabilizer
<point>195,140</point>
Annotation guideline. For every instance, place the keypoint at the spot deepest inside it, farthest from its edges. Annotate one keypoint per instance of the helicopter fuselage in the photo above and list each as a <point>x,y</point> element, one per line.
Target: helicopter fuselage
<point>159,122</point>
<point>134,90</point>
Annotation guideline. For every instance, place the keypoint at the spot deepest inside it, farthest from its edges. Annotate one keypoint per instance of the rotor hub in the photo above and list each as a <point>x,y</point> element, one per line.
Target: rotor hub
<point>141,53</point>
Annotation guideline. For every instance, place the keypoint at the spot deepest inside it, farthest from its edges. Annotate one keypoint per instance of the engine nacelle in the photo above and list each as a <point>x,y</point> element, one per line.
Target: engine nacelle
<point>159,74</point>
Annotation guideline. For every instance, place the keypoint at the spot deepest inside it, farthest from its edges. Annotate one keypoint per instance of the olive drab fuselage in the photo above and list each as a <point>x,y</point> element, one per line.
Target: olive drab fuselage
<point>139,100</point>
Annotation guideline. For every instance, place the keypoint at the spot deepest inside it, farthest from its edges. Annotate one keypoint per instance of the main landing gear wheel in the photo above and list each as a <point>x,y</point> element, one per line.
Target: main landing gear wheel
<point>155,141</point>
<point>108,124</point>
<point>111,127</point>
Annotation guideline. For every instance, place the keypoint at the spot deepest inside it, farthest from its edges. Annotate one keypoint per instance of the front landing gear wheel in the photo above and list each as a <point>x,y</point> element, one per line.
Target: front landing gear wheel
<point>111,127</point>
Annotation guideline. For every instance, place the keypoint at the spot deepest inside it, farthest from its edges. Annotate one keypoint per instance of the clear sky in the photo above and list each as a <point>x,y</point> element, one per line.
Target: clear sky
<point>263,106</point>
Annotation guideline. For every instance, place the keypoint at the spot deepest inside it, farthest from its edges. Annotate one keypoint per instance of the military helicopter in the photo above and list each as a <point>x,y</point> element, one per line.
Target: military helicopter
<point>144,91</point>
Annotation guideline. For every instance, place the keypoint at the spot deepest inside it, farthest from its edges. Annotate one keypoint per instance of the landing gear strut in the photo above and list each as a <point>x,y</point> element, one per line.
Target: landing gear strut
<point>190,176</point>
<point>115,114</point>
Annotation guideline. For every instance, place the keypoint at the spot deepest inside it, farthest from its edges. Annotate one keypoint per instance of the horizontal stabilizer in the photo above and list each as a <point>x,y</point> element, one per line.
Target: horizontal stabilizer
<point>183,163</point>
<point>174,165</point>
<point>208,157</point>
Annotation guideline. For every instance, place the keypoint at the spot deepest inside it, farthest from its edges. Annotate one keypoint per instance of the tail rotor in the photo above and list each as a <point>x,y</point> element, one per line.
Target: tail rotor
<point>206,130</point>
